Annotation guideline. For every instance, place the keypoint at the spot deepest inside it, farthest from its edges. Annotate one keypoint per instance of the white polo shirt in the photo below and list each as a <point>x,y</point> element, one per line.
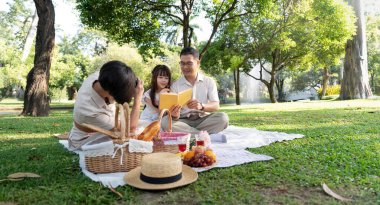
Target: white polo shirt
<point>204,90</point>
<point>90,108</point>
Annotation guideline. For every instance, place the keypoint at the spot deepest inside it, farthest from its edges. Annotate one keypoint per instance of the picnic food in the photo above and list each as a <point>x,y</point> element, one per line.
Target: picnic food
<point>199,156</point>
<point>150,131</point>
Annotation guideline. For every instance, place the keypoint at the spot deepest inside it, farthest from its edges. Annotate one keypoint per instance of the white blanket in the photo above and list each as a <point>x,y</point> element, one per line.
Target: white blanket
<point>228,154</point>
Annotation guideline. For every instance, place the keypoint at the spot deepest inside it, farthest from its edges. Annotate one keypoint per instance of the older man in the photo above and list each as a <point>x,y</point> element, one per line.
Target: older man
<point>199,113</point>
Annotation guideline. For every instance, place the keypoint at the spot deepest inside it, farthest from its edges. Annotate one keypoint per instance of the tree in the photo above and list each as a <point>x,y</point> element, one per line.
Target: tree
<point>328,55</point>
<point>145,22</point>
<point>373,33</point>
<point>14,25</point>
<point>36,101</point>
<point>355,83</point>
<point>226,54</point>
<point>287,34</point>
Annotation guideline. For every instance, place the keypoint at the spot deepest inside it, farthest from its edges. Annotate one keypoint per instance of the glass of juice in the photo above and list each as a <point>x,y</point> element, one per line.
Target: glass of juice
<point>182,141</point>
<point>199,140</point>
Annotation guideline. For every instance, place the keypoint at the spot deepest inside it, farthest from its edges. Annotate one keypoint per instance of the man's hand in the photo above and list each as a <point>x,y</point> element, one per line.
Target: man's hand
<point>194,104</point>
<point>175,110</point>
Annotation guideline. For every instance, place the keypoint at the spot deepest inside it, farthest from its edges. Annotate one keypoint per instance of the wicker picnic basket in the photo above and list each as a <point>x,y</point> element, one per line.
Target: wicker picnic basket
<point>123,161</point>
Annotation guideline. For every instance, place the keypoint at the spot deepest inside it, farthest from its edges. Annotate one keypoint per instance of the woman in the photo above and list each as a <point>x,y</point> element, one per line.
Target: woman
<point>95,102</point>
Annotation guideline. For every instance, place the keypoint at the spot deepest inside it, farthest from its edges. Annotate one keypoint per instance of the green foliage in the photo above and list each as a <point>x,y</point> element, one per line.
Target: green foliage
<point>329,46</point>
<point>373,42</point>
<point>124,22</point>
<point>132,58</point>
<point>342,151</point>
<point>293,35</point>
<point>56,93</point>
<point>330,90</point>
<point>14,23</point>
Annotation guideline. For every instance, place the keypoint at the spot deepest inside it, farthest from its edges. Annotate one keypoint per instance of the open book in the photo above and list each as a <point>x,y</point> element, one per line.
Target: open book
<point>167,100</point>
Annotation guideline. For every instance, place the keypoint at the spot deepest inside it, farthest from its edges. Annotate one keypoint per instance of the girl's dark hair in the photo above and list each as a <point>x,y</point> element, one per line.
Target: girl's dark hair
<point>119,80</point>
<point>159,70</point>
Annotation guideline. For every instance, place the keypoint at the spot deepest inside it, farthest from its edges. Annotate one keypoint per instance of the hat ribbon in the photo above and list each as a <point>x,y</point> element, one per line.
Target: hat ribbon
<point>160,180</point>
<point>120,147</point>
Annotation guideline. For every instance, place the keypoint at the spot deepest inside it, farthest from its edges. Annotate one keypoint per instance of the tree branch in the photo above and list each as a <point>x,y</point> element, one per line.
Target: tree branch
<point>215,27</point>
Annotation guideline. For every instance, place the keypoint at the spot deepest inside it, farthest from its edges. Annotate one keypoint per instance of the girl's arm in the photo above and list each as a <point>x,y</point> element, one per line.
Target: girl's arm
<point>149,103</point>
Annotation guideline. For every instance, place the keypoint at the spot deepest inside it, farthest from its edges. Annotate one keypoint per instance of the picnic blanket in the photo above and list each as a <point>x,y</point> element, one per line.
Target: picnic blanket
<point>228,154</point>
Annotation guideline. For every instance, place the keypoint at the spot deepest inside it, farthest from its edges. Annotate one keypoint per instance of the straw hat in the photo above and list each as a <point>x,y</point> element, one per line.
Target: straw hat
<point>159,171</point>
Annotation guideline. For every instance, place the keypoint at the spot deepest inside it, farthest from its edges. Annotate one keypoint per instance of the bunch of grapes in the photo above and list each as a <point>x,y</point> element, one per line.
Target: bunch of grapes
<point>199,160</point>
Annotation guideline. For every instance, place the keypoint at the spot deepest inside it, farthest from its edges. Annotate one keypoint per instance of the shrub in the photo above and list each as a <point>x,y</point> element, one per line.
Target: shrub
<point>330,90</point>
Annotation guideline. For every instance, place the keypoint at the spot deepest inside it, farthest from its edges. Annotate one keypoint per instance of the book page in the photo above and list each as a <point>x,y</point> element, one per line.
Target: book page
<point>167,100</point>
<point>185,96</point>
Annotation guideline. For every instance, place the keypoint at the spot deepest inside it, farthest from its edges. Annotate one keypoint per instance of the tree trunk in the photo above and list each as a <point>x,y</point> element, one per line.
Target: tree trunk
<point>355,83</point>
<point>270,87</point>
<point>237,86</point>
<point>36,99</point>
<point>72,92</point>
<point>280,88</point>
<point>186,12</point>
<point>29,37</point>
<point>325,80</point>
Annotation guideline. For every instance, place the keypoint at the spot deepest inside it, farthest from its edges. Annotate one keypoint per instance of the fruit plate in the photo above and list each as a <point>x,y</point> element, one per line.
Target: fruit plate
<point>201,169</point>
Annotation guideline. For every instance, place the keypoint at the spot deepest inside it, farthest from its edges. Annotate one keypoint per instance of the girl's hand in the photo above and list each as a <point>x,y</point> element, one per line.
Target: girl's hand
<point>139,90</point>
<point>175,111</point>
<point>165,90</point>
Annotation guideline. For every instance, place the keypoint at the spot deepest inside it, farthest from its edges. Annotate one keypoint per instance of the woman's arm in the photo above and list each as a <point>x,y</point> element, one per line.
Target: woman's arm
<point>135,114</point>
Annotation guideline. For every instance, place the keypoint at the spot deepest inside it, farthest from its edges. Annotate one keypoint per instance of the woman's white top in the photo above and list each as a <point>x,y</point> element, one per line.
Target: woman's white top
<point>149,113</point>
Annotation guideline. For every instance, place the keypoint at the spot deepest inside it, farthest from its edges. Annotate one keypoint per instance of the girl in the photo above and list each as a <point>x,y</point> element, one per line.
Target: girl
<point>160,82</point>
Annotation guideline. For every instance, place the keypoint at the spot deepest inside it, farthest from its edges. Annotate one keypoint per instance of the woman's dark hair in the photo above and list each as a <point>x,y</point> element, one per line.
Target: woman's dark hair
<point>119,80</point>
<point>159,70</point>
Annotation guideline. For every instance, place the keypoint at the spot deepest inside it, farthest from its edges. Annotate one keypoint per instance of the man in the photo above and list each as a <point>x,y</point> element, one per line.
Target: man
<point>95,102</point>
<point>199,113</point>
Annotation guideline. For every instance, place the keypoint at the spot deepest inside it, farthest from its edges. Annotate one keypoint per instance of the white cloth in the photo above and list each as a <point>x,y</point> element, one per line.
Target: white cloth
<point>140,146</point>
<point>228,154</point>
<point>149,113</point>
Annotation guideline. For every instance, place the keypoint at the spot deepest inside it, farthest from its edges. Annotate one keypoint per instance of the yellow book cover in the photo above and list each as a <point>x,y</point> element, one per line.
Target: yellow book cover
<point>167,100</point>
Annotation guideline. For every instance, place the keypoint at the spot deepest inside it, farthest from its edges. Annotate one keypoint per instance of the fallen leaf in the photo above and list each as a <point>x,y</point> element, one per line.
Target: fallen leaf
<point>19,175</point>
<point>63,136</point>
<point>7,203</point>
<point>114,191</point>
<point>333,194</point>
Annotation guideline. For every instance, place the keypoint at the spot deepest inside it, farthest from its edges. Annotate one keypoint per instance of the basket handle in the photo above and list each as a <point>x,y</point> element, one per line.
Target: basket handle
<point>117,117</point>
<point>162,112</point>
<point>127,128</point>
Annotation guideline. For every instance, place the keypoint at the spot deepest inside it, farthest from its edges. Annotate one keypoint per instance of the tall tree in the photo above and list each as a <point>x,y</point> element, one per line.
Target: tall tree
<point>288,34</point>
<point>326,56</point>
<point>373,34</point>
<point>355,83</point>
<point>145,22</point>
<point>36,100</point>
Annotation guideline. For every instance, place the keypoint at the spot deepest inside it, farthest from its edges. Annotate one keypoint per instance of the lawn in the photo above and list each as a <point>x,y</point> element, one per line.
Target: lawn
<point>341,148</point>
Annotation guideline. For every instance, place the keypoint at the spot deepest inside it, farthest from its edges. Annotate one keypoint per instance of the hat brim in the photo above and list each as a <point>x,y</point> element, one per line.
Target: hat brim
<point>133,179</point>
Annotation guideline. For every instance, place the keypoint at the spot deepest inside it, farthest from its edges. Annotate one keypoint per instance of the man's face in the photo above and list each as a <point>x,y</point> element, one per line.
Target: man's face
<point>189,66</point>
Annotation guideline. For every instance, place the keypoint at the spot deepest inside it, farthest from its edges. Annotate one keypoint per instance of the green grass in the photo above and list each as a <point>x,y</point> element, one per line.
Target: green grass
<point>341,148</point>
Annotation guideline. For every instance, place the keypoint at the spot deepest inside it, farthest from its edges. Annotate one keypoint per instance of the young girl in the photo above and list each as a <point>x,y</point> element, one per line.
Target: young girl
<point>160,82</point>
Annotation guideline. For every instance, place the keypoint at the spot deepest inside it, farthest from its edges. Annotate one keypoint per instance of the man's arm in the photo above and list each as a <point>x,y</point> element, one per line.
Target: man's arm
<point>207,107</point>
